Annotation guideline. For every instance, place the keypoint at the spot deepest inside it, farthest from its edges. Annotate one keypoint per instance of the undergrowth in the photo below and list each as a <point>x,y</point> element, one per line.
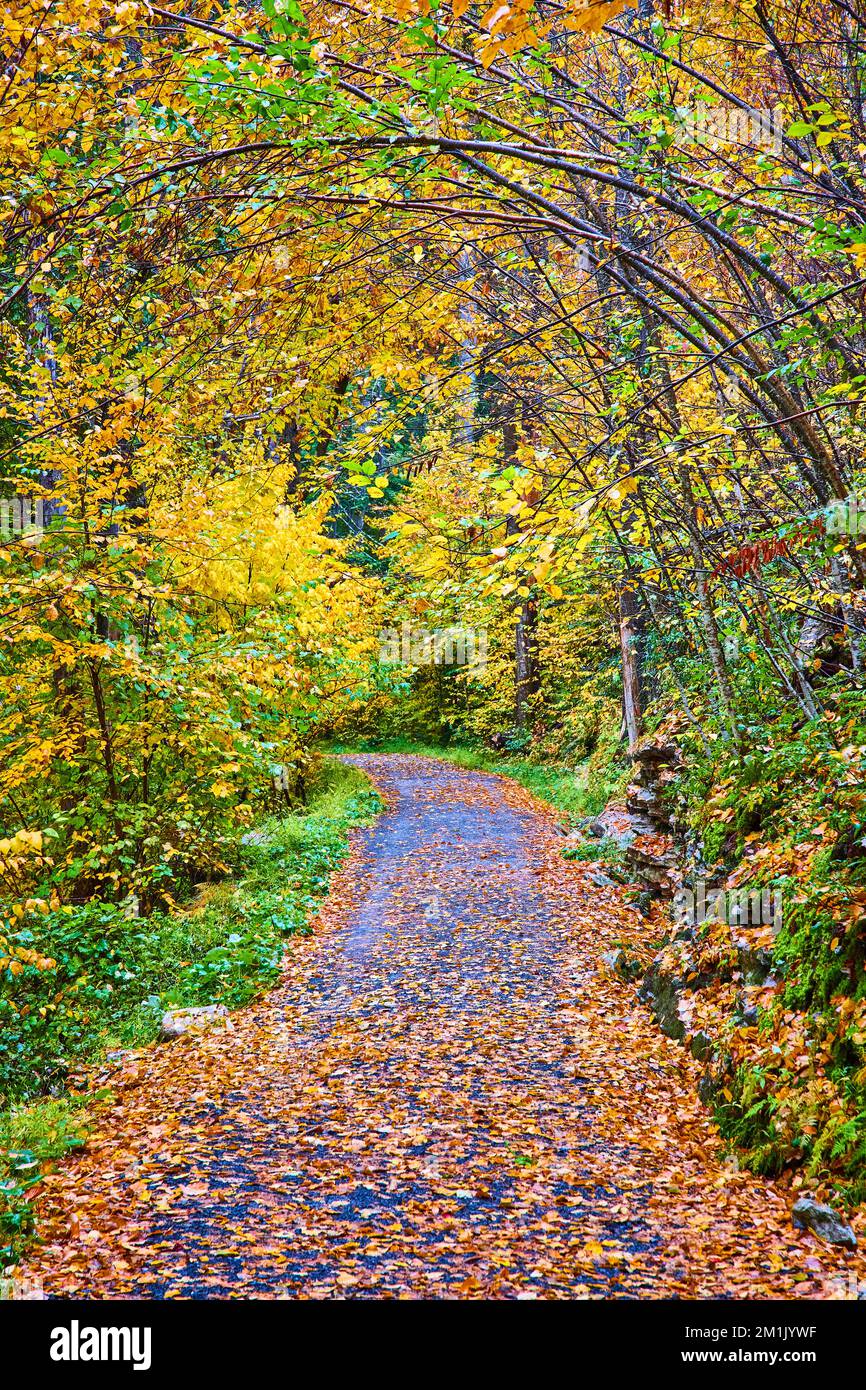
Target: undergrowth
<point>113,976</point>
<point>787,811</point>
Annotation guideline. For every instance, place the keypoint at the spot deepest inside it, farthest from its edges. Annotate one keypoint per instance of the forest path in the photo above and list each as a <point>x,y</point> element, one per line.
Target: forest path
<point>446,1095</point>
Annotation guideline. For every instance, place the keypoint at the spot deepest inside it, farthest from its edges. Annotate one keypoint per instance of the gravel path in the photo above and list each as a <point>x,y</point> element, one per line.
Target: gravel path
<point>447,1095</point>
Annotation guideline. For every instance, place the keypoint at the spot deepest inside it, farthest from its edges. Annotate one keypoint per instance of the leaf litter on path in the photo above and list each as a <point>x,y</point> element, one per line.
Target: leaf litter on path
<point>446,1095</point>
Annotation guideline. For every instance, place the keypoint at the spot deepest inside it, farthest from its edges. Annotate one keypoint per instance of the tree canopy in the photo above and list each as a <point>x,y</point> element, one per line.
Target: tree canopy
<point>544,321</point>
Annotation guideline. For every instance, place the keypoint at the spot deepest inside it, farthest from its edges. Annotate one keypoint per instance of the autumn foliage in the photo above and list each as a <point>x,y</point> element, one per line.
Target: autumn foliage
<point>543,320</point>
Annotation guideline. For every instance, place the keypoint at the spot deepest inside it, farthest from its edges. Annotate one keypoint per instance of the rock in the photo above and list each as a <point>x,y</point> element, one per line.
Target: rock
<point>755,962</point>
<point>621,965</point>
<point>655,767</point>
<point>618,875</point>
<point>656,755</point>
<point>621,826</point>
<point>717,1077</point>
<point>701,1046</point>
<point>708,1088</point>
<point>659,991</point>
<point>630,969</point>
<point>655,872</point>
<point>642,901</point>
<point>601,880</point>
<point>176,1022</point>
<point>648,807</point>
<point>824,1222</point>
<point>641,800</point>
<point>671,973</point>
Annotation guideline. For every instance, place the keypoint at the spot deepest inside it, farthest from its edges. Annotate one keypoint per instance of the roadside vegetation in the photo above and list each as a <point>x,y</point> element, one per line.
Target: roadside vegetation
<point>113,976</point>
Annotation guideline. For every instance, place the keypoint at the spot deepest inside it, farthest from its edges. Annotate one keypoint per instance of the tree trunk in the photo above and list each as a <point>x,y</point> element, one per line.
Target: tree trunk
<point>525,662</point>
<point>630,624</point>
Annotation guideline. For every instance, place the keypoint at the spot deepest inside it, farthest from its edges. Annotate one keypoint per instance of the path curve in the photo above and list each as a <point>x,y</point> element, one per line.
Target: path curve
<point>446,1095</point>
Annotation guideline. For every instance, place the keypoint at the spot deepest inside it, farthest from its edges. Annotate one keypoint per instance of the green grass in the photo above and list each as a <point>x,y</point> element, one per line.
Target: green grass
<point>579,791</point>
<point>115,976</point>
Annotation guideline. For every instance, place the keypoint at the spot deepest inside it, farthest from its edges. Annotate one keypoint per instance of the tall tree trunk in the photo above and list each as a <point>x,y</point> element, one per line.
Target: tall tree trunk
<point>526,674</point>
<point>707,616</point>
<point>630,624</point>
